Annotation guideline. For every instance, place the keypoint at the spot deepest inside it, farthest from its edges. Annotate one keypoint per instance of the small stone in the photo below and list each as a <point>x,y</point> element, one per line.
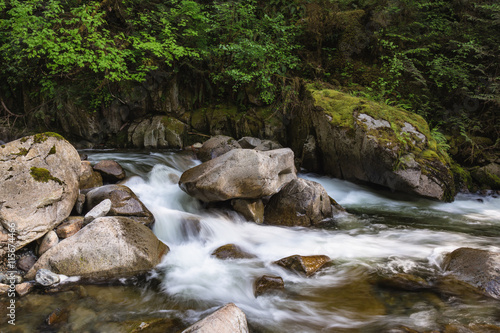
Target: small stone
<point>49,240</point>
<point>26,262</point>
<point>80,201</point>
<point>71,226</point>
<point>307,265</point>
<point>231,251</point>
<point>267,284</point>
<point>24,288</point>
<point>46,278</point>
<point>111,171</point>
<point>100,210</point>
<point>4,289</point>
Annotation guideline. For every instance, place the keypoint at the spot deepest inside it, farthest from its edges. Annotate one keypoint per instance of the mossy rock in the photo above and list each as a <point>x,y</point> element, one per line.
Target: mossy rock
<point>43,175</point>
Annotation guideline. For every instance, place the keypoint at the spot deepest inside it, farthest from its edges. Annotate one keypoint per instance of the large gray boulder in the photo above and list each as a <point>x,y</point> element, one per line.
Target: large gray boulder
<point>216,146</point>
<point>478,268</point>
<point>240,173</point>
<point>228,319</point>
<point>124,202</point>
<point>109,247</point>
<point>39,186</point>
<point>300,203</point>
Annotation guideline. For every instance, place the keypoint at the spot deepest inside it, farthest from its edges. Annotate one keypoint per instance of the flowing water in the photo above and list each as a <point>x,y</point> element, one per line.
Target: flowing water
<point>383,233</point>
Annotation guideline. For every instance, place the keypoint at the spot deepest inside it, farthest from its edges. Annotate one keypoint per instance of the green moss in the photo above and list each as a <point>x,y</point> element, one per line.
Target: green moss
<point>3,146</point>
<point>23,140</point>
<point>173,124</point>
<point>22,152</point>
<point>43,175</point>
<point>42,137</point>
<point>461,176</point>
<point>52,150</point>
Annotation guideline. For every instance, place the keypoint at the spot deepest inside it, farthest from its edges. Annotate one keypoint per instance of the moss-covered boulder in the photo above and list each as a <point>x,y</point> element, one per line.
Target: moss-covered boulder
<point>158,132</point>
<point>361,140</point>
<point>38,187</point>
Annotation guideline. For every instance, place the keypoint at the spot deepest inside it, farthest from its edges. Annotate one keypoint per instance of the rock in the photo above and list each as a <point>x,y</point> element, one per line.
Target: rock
<point>100,210</point>
<point>228,319</point>
<point>80,201</point>
<point>48,241</point>
<point>4,289</point>
<point>471,328</point>
<point>110,171</point>
<point>361,140</point>
<point>240,173</point>
<point>24,288</point>
<point>307,265</point>
<point>11,278</point>
<point>300,203</point>
<point>247,142</point>
<point>216,146</point>
<point>252,210</point>
<point>26,261</point>
<point>477,268</point>
<point>58,316</point>
<point>231,251</point>
<point>88,177</point>
<point>310,158</point>
<point>124,202</point>
<point>45,277</point>
<point>402,281</point>
<point>266,145</point>
<point>71,226</point>
<point>488,176</point>
<point>268,284</point>
<point>158,132</point>
<point>39,176</point>
<point>108,247</point>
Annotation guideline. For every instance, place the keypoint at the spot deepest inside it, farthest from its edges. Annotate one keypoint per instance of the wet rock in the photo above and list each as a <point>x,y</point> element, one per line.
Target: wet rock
<point>48,241</point>
<point>267,284</point>
<point>477,268</point>
<point>108,247</point>
<point>155,325</point>
<point>300,203</point>
<point>45,277</point>
<point>39,176</point>
<point>71,226</point>
<point>124,202</point>
<point>240,173</point>
<point>471,328</point>
<point>80,201</point>
<point>404,281</point>
<point>307,265</point>
<point>57,317</point>
<point>25,262</point>
<point>231,251</point>
<point>252,210</point>
<point>488,176</point>
<point>111,171</point>
<point>228,319</point>
<point>24,288</point>
<point>88,177</point>
<point>247,142</point>
<point>216,146</point>
<point>100,210</point>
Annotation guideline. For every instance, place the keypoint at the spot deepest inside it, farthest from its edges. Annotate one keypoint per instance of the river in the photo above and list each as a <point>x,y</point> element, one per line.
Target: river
<point>383,233</point>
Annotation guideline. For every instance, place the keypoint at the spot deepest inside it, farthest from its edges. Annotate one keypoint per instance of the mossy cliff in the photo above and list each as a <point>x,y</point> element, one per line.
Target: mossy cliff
<point>361,140</point>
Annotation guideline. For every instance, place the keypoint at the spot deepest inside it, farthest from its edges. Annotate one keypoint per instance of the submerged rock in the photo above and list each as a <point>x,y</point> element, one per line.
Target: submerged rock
<point>39,180</point>
<point>307,265</point>
<point>240,173</point>
<point>109,247</point>
<point>228,319</point>
<point>479,269</point>
<point>124,202</point>
<point>267,284</point>
<point>231,251</point>
<point>216,146</point>
<point>111,171</point>
<point>300,203</point>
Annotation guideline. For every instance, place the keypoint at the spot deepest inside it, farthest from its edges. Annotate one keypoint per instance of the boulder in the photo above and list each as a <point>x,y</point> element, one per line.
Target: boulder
<point>70,226</point>
<point>307,265</point>
<point>108,247</point>
<point>240,174</point>
<point>158,132</point>
<point>231,251</point>
<point>300,203</point>
<point>479,269</point>
<point>111,171</point>
<point>267,284</point>
<point>360,140</point>
<point>89,178</point>
<point>216,146</point>
<point>124,202</point>
<point>487,176</point>
<point>252,210</point>
<point>228,319</point>
<point>48,241</point>
<point>39,186</point>
<point>100,210</point>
